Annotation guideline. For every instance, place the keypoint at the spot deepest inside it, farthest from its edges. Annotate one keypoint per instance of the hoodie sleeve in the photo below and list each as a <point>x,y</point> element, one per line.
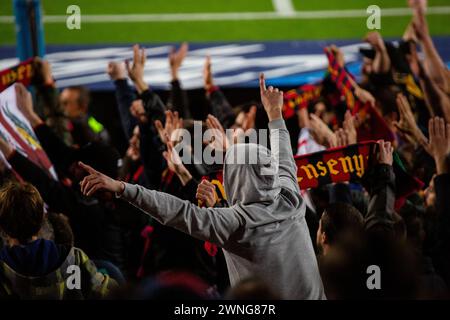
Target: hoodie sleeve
<point>215,225</point>
<point>280,144</point>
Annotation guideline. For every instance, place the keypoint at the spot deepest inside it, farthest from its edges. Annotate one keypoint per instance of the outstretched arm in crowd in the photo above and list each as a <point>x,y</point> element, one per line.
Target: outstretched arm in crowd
<point>178,100</point>
<point>47,103</point>
<point>136,70</point>
<point>214,225</point>
<point>272,100</point>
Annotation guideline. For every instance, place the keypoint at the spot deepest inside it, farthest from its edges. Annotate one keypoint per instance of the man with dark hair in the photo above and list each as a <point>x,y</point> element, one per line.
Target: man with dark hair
<point>35,268</point>
<point>84,127</point>
<point>340,222</point>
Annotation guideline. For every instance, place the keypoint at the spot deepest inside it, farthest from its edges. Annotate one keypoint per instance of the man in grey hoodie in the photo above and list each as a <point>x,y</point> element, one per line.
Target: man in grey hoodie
<point>263,232</point>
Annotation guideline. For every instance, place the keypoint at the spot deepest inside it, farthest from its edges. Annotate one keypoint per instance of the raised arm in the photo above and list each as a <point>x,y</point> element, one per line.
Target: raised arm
<point>124,96</point>
<point>280,142</point>
<point>437,100</point>
<point>440,149</point>
<point>214,225</point>
<point>52,191</point>
<point>433,62</point>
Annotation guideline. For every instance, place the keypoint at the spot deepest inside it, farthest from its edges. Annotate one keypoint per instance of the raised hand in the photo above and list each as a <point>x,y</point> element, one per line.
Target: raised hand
<point>133,153</point>
<point>419,21</point>
<point>208,82</point>
<point>439,146</point>
<point>303,118</point>
<point>418,5</point>
<point>338,54</point>
<point>271,98</point>
<point>5,147</point>
<point>176,58</point>
<point>175,164</point>
<point>136,70</point>
<point>43,71</point>
<point>349,128</point>
<point>339,139</point>
<point>407,123</point>
<point>173,159</point>
<point>24,100</point>
<point>321,132</point>
<point>116,70</point>
<point>96,181</point>
<point>375,40</point>
<point>385,152</point>
<point>206,192</point>
<point>25,104</point>
<point>169,132</point>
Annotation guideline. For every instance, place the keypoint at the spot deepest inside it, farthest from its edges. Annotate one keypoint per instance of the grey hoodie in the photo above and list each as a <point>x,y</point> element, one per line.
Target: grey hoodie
<point>263,232</point>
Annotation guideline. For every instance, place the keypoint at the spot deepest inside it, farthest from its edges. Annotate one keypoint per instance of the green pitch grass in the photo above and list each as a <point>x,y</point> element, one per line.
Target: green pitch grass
<point>207,31</point>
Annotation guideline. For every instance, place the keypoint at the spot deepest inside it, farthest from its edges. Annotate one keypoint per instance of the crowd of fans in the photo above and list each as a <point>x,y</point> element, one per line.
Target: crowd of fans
<point>144,225</point>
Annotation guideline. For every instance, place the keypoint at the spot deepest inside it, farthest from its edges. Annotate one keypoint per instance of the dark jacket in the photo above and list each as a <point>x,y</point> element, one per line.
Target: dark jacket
<point>441,251</point>
<point>125,97</point>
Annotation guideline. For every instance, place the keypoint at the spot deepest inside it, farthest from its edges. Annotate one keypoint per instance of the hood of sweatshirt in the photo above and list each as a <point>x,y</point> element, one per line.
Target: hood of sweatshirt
<point>37,258</point>
<point>252,186</point>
